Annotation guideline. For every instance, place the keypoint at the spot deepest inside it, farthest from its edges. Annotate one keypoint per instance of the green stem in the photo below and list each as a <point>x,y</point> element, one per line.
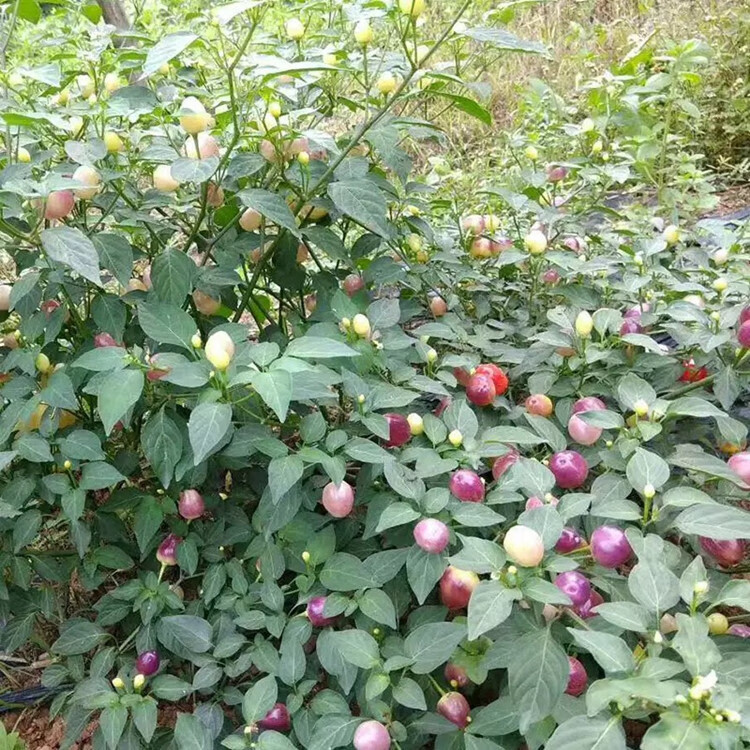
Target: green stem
<point>435,685</point>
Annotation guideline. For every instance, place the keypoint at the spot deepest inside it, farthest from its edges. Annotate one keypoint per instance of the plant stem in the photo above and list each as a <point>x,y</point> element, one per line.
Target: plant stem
<point>4,67</point>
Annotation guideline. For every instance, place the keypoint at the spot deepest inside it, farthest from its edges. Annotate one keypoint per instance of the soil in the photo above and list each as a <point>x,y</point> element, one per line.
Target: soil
<point>39,733</point>
<point>735,198</point>
<point>35,729</point>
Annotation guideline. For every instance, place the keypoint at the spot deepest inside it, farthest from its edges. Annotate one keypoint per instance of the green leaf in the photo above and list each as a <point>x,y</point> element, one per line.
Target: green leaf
<point>172,274</point>
<point>692,643</point>
<point>144,717</point>
<point>490,604</point>
<point>33,447</point>
<point>115,254</point>
<point>259,699</point>
<point>479,555</point>
<point>546,521</point>
<point>29,10</point>
<point>532,476</point>
<point>118,393</point>
<point>6,457</point>
<point>275,388</point>
<point>631,389</point>
<point>73,503</point>
<point>396,514</point>
<point>103,359</point>
<point>313,347</point>
<point>161,440</point>
<point>423,571</point>
<point>184,633</point>
<point>466,105</point>
<point>366,451</point>
<point>357,647</point>
<point>363,201</point>
<point>25,529</point>
<point>99,475</point>
<point>208,424</point>
<point>496,718</point>
<point>736,593</point>
<point>166,49</point>
<point>270,740</point>
<point>112,724</point>
<point>73,249</point>
<point>585,733</point>
<point>344,572</point>
<point>283,474</point>
<point>693,406</point>
<point>720,522</point>
<point>148,518</point>
<point>59,392</point>
<point>627,615</point>
<point>692,574</point>
<point>88,152</point>
<point>611,652</point>
<point>170,688</point>
<point>190,733</point>
<point>653,585</point>
<point>78,636</point>
<point>541,590</point>
<point>431,645</point>
<point>502,39</point>
<point>693,458</point>
<point>377,605</point>
<point>547,431</point>
<point>270,205</point>
<point>511,436</point>
<point>194,170</point>
<point>537,675</point>
<point>408,693</point>
<point>109,314</point>
<point>675,732</point>
<point>647,468</point>
<point>166,323</point>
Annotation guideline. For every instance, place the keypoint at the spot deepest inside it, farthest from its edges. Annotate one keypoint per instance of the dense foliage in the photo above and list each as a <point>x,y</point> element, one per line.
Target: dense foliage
<point>328,455</point>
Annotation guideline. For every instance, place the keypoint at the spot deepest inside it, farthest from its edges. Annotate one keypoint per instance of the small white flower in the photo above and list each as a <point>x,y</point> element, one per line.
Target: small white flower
<point>700,588</point>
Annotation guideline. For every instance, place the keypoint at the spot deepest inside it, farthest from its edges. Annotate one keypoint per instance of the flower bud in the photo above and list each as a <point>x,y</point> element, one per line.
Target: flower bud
<point>361,398</point>
<point>431,355</point>
<point>584,324</point>
<point>138,682</point>
<point>42,363</point>
<point>700,588</point>
<point>531,153</point>
<point>363,32</point>
<point>671,235</point>
<point>416,423</point>
<point>386,83</point>
<point>305,557</point>
<point>118,683</point>
<point>640,407</point>
<point>219,350</point>
<point>649,492</point>
<point>196,341</point>
<point>455,438</point>
<point>295,29</point>
<point>411,8</point>
<point>361,325</point>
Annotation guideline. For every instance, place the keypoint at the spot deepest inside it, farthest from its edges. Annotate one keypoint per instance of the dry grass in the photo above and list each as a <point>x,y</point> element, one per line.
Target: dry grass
<point>585,39</point>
